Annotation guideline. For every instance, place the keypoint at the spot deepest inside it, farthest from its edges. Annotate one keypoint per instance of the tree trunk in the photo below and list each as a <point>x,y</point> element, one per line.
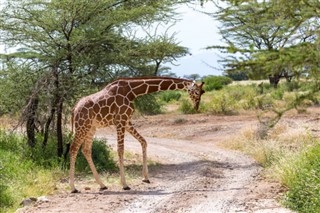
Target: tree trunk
<point>156,70</point>
<point>274,80</point>
<point>47,125</point>
<point>59,128</point>
<point>30,124</point>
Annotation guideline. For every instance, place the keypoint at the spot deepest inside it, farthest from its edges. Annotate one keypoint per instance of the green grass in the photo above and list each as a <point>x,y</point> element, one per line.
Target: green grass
<point>302,178</point>
<point>290,156</point>
<point>32,172</point>
<point>20,176</point>
<point>26,172</point>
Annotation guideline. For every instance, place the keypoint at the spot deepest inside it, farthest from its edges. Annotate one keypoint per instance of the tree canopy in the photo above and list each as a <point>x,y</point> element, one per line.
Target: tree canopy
<point>63,49</point>
<point>270,37</point>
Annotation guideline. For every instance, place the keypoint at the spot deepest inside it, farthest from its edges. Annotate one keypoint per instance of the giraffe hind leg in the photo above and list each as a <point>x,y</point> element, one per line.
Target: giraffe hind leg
<point>74,148</point>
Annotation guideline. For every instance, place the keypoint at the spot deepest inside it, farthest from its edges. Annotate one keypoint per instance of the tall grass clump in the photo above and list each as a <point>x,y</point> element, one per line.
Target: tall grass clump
<point>20,176</point>
<point>300,173</point>
<point>32,172</point>
<point>289,155</point>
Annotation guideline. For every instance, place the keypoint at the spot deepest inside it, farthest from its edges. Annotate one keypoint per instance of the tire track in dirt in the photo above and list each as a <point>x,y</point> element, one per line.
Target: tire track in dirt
<point>194,175</point>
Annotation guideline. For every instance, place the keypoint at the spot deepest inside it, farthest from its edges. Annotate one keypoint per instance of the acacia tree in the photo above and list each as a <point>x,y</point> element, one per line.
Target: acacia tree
<point>261,36</point>
<point>72,46</point>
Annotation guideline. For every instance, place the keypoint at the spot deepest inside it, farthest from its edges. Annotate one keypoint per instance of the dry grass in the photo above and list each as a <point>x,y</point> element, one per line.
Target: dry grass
<point>283,140</point>
<point>7,122</point>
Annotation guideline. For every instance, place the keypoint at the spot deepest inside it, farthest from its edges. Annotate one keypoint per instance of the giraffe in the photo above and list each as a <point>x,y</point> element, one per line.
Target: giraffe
<point>113,105</point>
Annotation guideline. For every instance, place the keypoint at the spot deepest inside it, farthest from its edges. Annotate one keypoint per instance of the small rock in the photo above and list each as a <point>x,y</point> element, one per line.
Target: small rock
<point>26,202</point>
<point>87,188</point>
<point>43,199</point>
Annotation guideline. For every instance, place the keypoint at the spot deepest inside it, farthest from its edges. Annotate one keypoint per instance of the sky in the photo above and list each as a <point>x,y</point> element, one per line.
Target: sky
<point>195,31</point>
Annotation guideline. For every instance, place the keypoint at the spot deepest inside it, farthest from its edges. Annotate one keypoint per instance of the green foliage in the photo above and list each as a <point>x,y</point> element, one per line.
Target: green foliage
<point>303,182</point>
<point>148,104</point>
<point>170,95</point>
<point>101,156</point>
<point>268,37</point>
<point>237,76</point>
<point>231,99</point>
<point>222,103</point>
<point>21,176</point>
<point>186,107</point>
<point>64,45</point>
<point>30,172</point>
<point>278,93</point>
<point>215,82</point>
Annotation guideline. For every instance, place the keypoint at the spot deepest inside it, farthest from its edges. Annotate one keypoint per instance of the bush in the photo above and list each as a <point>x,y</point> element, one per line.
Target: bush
<point>168,96</point>
<point>216,82</point>
<point>20,175</point>
<point>186,107</point>
<point>222,103</point>
<point>31,172</point>
<point>101,156</point>
<point>244,96</point>
<point>303,181</point>
<point>148,104</point>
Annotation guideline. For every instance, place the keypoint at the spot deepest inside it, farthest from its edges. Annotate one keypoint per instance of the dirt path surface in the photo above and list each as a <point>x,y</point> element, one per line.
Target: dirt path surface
<point>194,175</point>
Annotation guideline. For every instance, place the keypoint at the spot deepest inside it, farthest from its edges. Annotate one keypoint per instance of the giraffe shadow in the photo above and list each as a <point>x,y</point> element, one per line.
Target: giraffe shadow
<point>164,176</point>
<point>208,170</point>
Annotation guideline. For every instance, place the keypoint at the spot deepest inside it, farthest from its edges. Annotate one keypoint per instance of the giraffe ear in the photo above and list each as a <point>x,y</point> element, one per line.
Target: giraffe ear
<point>201,85</point>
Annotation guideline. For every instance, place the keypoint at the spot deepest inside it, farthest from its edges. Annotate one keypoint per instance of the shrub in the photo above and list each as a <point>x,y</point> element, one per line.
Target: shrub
<point>303,182</point>
<point>222,103</point>
<point>148,104</point>
<point>244,96</point>
<point>168,96</point>
<point>31,172</point>
<point>216,82</point>
<point>101,156</point>
<point>186,107</point>
<point>291,86</point>
<point>20,176</point>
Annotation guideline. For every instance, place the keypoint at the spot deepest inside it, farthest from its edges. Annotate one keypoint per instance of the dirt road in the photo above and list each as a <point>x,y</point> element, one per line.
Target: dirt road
<point>194,175</point>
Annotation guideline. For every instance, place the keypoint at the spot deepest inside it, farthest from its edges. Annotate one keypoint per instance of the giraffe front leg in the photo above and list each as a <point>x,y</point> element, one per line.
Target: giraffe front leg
<point>120,133</point>
<point>143,143</point>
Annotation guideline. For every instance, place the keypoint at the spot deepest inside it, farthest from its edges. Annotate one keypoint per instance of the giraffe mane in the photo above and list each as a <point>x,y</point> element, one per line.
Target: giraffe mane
<point>150,78</point>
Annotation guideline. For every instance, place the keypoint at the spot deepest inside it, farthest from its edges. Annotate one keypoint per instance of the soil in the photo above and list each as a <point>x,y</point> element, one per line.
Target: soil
<point>194,173</point>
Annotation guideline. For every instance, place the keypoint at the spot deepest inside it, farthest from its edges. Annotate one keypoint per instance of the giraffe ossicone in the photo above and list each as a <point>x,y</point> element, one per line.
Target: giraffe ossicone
<point>113,105</point>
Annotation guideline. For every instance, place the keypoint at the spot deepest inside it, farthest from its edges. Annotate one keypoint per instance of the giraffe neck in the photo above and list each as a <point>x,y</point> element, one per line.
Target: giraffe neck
<point>141,86</point>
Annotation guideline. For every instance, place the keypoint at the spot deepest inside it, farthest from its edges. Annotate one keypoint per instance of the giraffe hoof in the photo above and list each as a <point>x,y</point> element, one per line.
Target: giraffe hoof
<point>126,188</point>
<point>75,191</point>
<point>146,181</point>
<point>103,188</point>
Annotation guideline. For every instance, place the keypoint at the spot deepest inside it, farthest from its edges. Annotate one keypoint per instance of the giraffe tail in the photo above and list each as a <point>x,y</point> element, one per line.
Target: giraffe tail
<point>72,121</point>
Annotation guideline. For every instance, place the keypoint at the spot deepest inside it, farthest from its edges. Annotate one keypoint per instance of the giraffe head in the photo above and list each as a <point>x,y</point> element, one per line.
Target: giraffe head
<point>195,91</point>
